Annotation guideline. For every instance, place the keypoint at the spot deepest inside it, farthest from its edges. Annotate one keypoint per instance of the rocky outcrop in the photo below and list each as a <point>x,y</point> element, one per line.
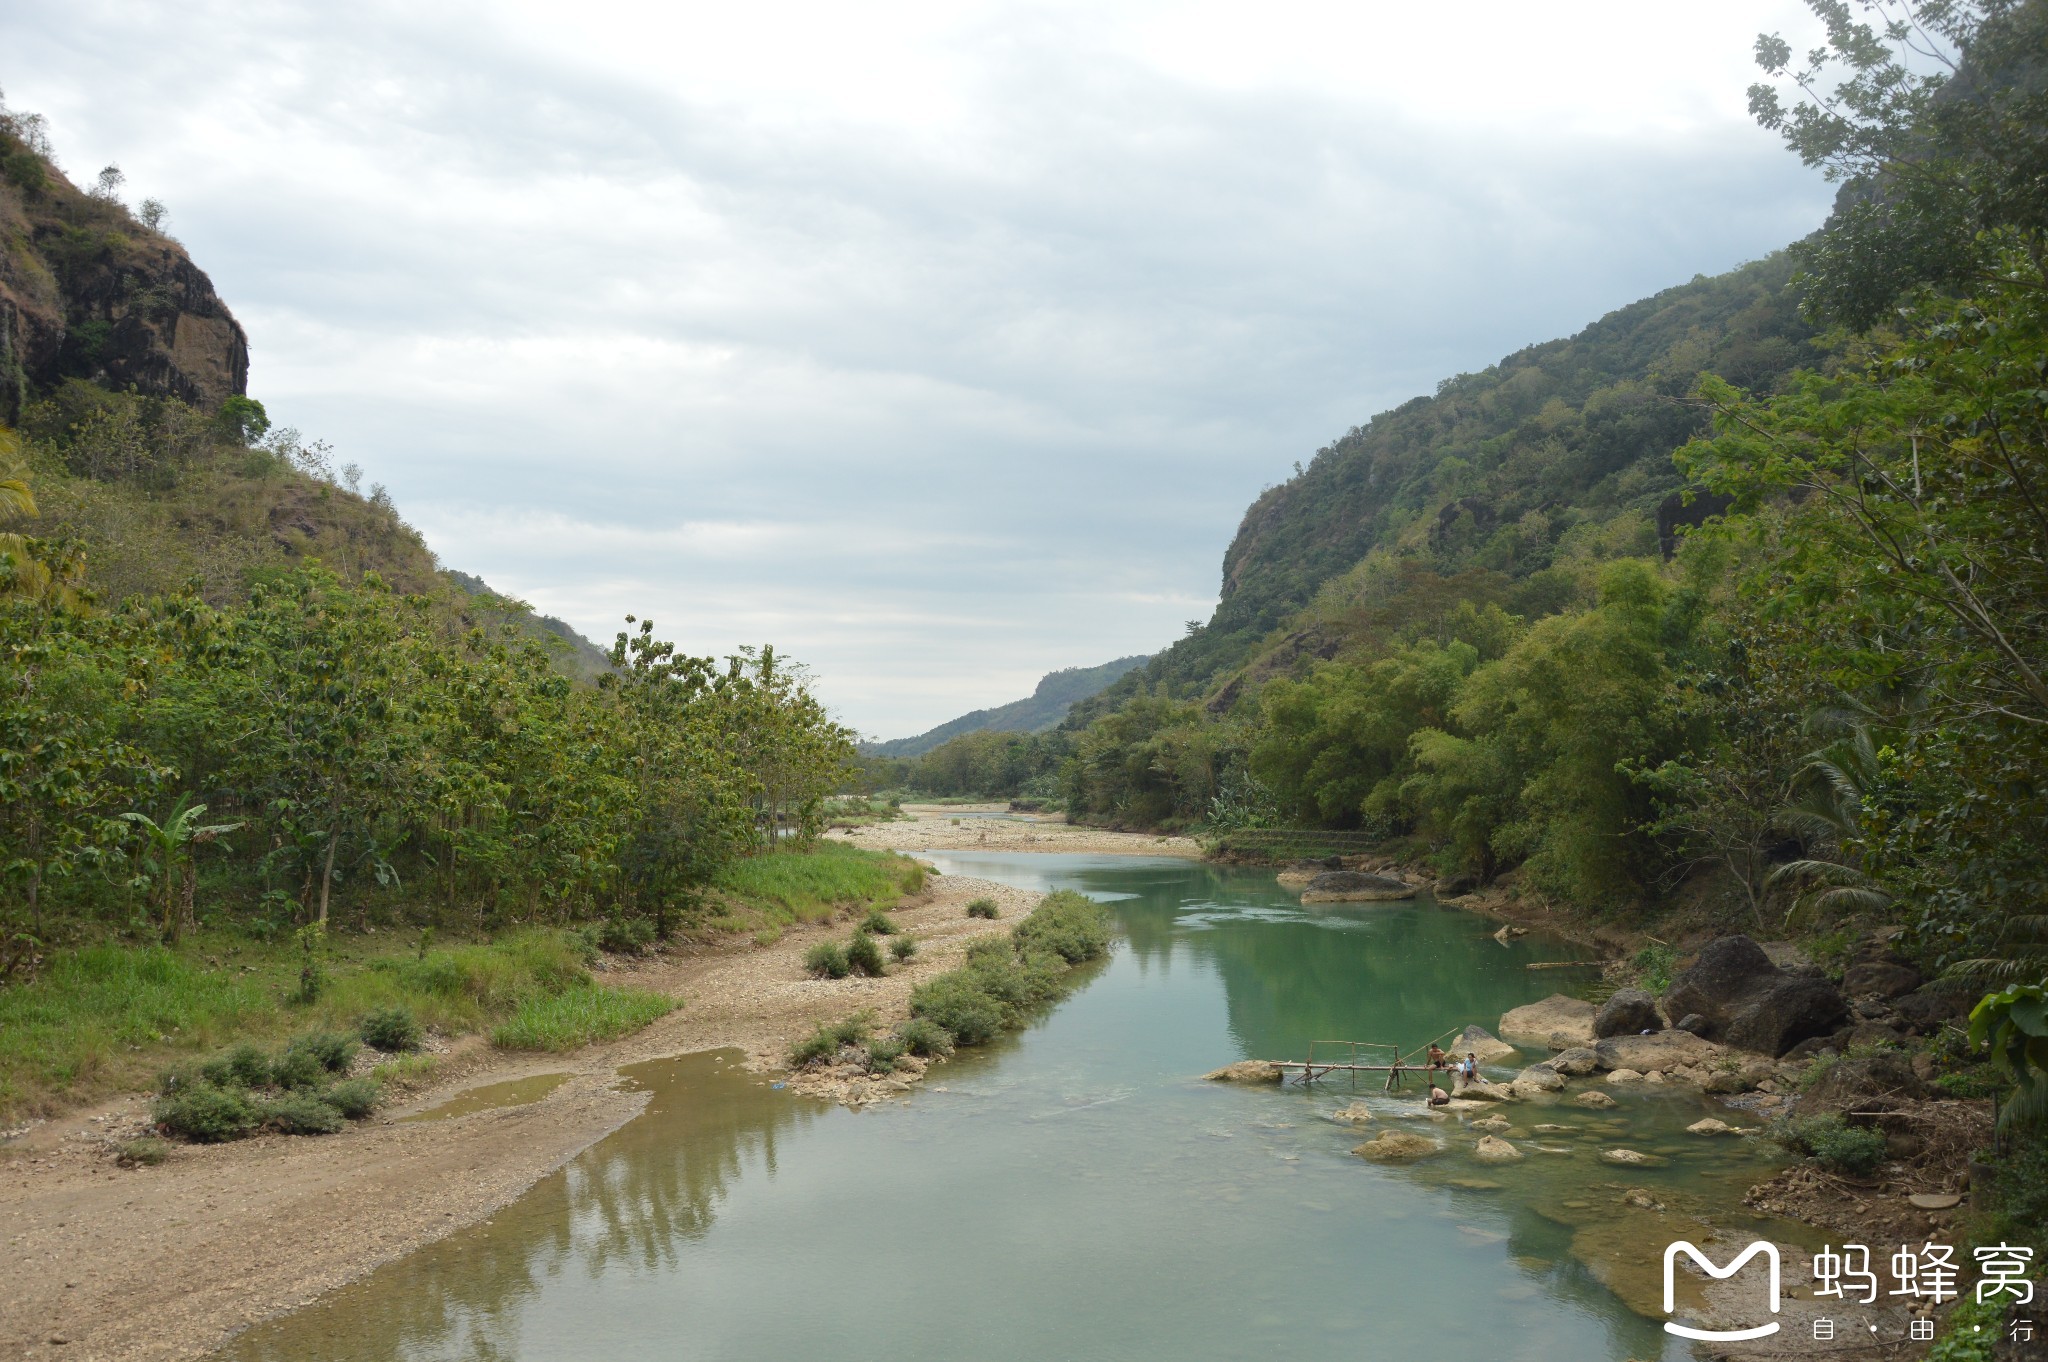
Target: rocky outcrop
<point>1661,1051</point>
<point>1881,978</point>
<point>1246,1071</point>
<point>1746,1001</point>
<point>1930,1006</point>
<point>1536,1080</point>
<point>1480,1090</point>
<point>1355,886</point>
<point>1298,875</point>
<point>86,291</point>
<point>1539,1023</point>
<point>1628,1012</point>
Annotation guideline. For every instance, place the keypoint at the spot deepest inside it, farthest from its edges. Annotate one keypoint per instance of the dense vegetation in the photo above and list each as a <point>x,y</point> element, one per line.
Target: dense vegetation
<point>240,699</point>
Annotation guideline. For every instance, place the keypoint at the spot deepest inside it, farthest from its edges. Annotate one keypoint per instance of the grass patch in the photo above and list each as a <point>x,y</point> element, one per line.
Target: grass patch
<point>826,960</point>
<point>782,888</point>
<point>828,1040</point>
<point>578,1016</point>
<point>107,1018</point>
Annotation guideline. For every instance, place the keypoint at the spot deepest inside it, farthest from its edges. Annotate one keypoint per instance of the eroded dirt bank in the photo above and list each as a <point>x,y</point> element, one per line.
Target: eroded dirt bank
<point>100,1261</point>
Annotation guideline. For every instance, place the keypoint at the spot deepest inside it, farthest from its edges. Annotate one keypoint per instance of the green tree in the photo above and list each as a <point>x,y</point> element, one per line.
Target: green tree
<point>172,848</point>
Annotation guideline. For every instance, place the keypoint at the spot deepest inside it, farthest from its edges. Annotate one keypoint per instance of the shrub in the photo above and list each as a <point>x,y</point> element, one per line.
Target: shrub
<point>903,947</point>
<point>1653,965</point>
<point>335,1052</point>
<point>301,1113</point>
<point>925,1038</point>
<point>958,1003</point>
<point>394,1030</point>
<point>1839,1147</point>
<point>883,1054</point>
<point>626,936</point>
<point>827,960</point>
<point>829,1039</point>
<point>983,908</point>
<point>864,955</point>
<point>204,1114</point>
<point>298,1069</point>
<point>147,1152</point>
<point>354,1098</point>
<point>878,923</point>
<point>1067,924</point>
<point>245,1066</point>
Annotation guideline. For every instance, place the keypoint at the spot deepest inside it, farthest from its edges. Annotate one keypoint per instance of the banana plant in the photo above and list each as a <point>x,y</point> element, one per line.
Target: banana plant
<point>174,844</point>
<point>2015,1023</point>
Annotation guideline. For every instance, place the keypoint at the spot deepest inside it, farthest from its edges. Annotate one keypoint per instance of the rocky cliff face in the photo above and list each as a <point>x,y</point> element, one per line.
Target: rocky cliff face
<point>87,291</point>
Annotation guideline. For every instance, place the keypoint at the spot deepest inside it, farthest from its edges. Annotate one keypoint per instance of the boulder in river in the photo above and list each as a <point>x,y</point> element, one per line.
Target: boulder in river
<point>1748,1002</point>
<point>1480,1090</point>
<point>1246,1071</point>
<point>1663,1051</point>
<point>1493,1125</point>
<point>1541,1023</point>
<point>1536,1080</point>
<point>1630,1157</point>
<point>1398,1146</point>
<point>1576,1062</point>
<point>1493,1149</point>
<point>1355,886</point>
<point>1710,1126</point>
<point>1298,875</point>
<point>1594,1098</point>
<point>1628,1012</point>
<point>1480,1043</point>
<point>1354,1115</point>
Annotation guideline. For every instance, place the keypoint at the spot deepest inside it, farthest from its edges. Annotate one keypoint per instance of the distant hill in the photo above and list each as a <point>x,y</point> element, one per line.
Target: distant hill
<point>1046,707</point>
<point>584,659</point>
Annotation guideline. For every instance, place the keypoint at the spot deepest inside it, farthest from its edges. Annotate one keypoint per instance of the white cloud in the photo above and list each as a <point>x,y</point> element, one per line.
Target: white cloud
<point>941,344</point>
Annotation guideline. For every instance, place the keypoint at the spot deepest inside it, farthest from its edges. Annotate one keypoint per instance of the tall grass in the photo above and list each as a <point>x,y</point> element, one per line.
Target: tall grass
<point>580,1015</point>
<point>779,888</point>
<point>1004,982</point>
<point>107,1018</point>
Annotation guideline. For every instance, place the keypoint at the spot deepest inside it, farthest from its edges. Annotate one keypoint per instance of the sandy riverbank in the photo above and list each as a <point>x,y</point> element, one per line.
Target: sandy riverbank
<point>104,1262</point>
<point>971,827</point>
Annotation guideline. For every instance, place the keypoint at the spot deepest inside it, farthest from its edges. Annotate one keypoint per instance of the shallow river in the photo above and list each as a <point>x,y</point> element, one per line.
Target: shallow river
<point>1076,1192</point>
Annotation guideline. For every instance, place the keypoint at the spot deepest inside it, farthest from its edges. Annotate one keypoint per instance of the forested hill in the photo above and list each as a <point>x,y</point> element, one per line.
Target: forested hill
<point>1044,708</point>
<point>1560,451</point>
<point>126,376</point>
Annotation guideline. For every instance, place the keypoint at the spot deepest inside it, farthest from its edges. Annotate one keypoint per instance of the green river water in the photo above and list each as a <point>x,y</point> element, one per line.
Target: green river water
<point>1076,1192</point>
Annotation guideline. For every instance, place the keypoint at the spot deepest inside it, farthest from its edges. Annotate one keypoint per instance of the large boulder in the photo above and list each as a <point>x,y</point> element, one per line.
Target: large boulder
<point>1480,1090</point>
<point>1660,1051</point>
<point>1536,1080</point>
<point>1576,1062</point>
<point>1883,978</point>
<point>1538,1023</point>
<point>1246,1071</point>
<point>1927,1008</point>
<point>1480,1043</point>
<point>1859,1080</point>
<point>1747,1001</point>
<point>1355,886</point>
<point>1629,1012</point>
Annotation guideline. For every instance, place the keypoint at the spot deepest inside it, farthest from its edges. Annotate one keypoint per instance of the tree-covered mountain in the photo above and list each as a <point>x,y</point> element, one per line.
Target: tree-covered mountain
<point>1044,708</point>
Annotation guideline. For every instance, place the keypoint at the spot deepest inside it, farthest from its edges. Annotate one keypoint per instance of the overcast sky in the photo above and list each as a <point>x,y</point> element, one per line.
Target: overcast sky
<point>940,345</point>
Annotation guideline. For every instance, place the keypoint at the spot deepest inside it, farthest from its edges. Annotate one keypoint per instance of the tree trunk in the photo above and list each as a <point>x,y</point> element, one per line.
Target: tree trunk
<point>327,874</point>
<point>186,917</point>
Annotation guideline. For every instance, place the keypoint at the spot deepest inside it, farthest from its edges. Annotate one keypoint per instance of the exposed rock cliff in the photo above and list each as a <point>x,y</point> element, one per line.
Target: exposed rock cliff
<point>88,291</point>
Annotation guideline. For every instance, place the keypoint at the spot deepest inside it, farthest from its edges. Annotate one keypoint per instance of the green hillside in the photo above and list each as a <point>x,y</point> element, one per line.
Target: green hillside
<point>1044,708</point>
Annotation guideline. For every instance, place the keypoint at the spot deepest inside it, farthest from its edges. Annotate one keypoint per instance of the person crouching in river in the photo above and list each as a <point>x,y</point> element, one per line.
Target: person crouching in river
<point>1438,1097</point>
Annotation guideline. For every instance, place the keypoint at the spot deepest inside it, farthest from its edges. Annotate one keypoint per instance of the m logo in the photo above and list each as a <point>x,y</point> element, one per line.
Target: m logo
<point>1768,1250</point>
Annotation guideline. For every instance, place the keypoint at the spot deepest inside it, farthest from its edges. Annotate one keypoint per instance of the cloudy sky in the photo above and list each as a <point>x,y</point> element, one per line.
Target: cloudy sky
<point>939,344</point>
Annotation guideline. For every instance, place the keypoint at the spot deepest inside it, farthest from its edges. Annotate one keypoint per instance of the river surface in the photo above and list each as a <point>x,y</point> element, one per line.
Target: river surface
<point>1076,1191</point>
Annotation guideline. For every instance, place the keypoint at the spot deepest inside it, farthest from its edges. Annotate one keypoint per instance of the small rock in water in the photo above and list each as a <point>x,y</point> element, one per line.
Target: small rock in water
<point>1636,1196</point>
<point>1593,1097</point>
<point>1356,1114</point>
<point>1624,1076</point>
<point>1492,1149</point>
<point>1496,1124</point>
<point>1628,1156</point>
<point>1246,1071</point>
<point>1710,1126</point>
<point>1398,1146</point>
<point>1555,1129</point>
